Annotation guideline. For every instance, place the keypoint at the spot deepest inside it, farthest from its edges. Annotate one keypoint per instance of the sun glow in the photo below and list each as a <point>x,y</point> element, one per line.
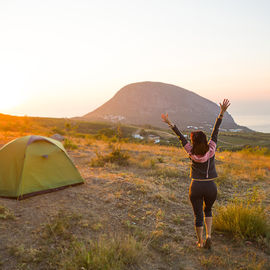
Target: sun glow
<point>10,100</point>
<point>13,88</point>
<point>12,93</point>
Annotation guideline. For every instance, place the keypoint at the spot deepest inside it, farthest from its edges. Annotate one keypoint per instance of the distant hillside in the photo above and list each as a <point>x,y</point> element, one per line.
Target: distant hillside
<point>12,127</point>
<point>142,104</point>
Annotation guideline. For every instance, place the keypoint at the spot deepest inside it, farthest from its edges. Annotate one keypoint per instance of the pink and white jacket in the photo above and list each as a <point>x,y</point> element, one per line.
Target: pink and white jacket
<point>202,167</point>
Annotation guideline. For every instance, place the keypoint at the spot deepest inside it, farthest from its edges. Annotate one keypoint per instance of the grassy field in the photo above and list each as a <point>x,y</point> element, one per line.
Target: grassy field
<point>133,211</point>
<point>13,126</point>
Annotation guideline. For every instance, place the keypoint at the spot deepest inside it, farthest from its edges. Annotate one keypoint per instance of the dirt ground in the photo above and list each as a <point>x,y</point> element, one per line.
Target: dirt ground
<point>136,199</point>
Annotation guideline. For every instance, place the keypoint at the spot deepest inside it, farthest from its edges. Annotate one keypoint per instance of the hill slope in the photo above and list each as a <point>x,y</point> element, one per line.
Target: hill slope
<point>142,103</point>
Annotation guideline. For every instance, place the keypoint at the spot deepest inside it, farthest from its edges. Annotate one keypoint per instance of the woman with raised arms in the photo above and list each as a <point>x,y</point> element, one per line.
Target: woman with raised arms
<point>202,190</point>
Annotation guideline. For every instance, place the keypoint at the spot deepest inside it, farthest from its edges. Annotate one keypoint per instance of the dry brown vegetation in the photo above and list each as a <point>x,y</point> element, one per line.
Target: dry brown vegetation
<point>134,214</point>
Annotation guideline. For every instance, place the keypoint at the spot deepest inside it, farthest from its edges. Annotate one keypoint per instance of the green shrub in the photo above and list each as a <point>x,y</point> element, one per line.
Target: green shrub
<point>70,145</point>
<point>107,132</point>
<point>105,254</point>
<point>98,161</point>
<point>116,156</point>
<point>242,220</point>
<point>58,131</point>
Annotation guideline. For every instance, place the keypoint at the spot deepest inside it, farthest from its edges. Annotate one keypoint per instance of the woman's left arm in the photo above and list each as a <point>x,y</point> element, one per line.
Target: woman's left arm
<point>223,107</point>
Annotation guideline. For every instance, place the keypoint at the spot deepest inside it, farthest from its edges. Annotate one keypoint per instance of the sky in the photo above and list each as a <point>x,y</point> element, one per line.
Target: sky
<point>63,58</point>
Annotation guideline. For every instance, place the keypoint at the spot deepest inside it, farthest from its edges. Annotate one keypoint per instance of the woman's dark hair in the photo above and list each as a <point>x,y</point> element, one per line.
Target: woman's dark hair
<point>199,143</point>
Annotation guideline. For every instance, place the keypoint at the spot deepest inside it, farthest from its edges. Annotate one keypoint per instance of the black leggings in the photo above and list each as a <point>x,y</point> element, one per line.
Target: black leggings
<point>202,192</point>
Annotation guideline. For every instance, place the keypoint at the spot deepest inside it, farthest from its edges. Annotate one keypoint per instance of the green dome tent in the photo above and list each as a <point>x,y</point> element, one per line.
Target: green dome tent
<point>34,164</point>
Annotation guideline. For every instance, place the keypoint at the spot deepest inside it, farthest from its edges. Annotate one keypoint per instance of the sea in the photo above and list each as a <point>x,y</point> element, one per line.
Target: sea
<point>259,123</point>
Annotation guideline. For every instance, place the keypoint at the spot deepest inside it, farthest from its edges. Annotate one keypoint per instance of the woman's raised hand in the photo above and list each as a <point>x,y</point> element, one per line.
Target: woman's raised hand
<point>224,106</point>
<point>165,118</point>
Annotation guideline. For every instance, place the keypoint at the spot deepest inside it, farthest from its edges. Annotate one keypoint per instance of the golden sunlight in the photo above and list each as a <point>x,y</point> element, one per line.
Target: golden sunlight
<point>10,100</point>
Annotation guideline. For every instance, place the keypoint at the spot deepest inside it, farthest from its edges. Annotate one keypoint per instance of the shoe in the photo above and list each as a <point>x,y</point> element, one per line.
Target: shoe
<point>208,243</point>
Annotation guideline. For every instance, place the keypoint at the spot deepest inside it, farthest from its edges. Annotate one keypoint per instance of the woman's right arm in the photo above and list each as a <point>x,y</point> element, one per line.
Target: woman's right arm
<point>175,129</point>
<point>223,107</point>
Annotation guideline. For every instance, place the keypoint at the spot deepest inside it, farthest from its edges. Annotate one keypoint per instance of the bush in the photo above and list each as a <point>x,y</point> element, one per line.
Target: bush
<point>105,254</point>
<point>242,220</point>
<point>58,131</point>
<point>116,156</point>
<point>107,132</point>
<point>70,145</point>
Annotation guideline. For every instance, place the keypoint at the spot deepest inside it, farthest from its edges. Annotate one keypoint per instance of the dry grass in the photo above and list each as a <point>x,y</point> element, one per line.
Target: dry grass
<point>240,166</point>
<point>218,260</point>
<point>6,213</point>
<point>104,254</point>
<point>136,216</point>
<point>243,220</point>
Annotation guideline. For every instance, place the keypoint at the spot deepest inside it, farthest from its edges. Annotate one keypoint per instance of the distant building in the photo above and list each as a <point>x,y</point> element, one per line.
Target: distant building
<point>113,118</point>
<point>193,127</point>
<point>154,138</point>
<point>137,136</point>
<point>235,130</point>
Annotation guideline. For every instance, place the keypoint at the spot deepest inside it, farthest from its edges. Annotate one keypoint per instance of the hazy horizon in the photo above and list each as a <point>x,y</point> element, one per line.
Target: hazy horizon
<point>66,58</point>
<point>258,121</point>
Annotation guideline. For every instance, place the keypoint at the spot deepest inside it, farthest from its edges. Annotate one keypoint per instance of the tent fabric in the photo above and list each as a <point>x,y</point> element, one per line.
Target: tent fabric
<point>35,164</point>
